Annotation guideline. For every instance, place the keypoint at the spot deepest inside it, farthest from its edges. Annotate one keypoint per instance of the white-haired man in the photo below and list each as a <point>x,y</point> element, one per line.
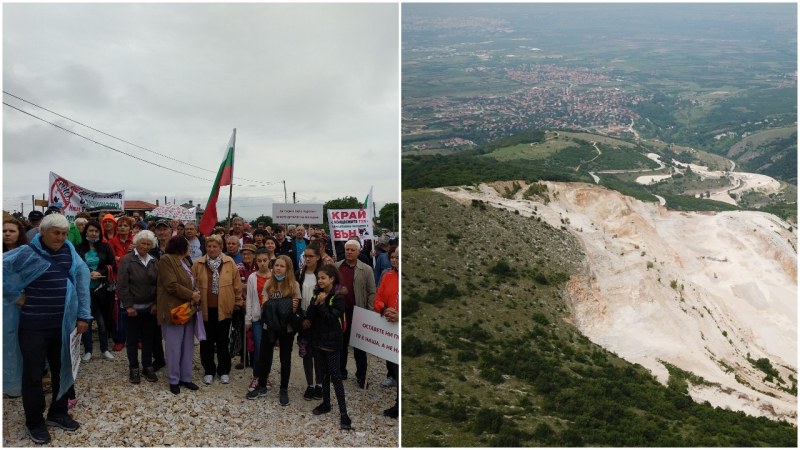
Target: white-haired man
<point>55,281</point>
<point>359,280</point>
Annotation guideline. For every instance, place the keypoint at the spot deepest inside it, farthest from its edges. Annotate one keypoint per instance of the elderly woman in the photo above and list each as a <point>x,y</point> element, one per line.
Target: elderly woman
<point>13,234</point>
<point>220,291</point>
<point>136,288</point>
<point>176,285</point>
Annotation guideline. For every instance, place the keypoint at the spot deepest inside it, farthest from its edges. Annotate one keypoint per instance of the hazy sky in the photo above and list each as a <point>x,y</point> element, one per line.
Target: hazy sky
<point>313,91</point>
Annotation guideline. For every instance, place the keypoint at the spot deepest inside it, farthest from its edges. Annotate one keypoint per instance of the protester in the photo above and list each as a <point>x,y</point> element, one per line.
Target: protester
<point>326,313</point>
<point>232,248</point>
<point>56,284</point>
<point>300,242</point>
<point>76,231</point>
<point>121,243</point>
<point>246,267</point>
<point>176,285</point>
<point>163,234</point>
<point>358,278</point>
<point>307,279</point>
<point>109,223</point>
<point>237,229</point>
<point>221,290</point>
<point>99,257</point>
<point>197,243</point>
<point>255,299</point>
<point>382,262</point>
<point>137,227</point>
<point>281,324</point>
<point>283,246</point>
<point>136,288</point>
<point>387,305</point>
<point>13,234</point>
<point>34,219</point>
<point>259,236</point>
<point>271,245</point>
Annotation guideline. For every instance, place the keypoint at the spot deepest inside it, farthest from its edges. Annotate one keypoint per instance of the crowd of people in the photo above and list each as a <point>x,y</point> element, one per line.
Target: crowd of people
<point>157,287</point>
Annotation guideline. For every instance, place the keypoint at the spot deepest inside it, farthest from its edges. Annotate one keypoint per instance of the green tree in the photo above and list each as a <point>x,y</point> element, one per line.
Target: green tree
<point>262,218</point>
<point>389,216</point>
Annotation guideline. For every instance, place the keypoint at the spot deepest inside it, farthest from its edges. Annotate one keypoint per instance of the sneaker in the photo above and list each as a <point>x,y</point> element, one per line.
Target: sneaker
<point>322,408</point>
<point>388,382</point>
<point>318,392</point>
<point>63,421</point>
<point>149,374</point>
<point>207,379</point>
<point>118,346</point>
<point>284,397</point>
<point>85,358</point>
<point>346,423</point>
<point>175,388</point>
<point>107,355</point>
<point>39,435</point>
<point>391,412</point>
<point>189,385</point>
<point>253,385</point>
<point>257,392</point>
<point>224,379</point>
<point>309,394</point>
<point>71,403</point>
<point>134,376</point>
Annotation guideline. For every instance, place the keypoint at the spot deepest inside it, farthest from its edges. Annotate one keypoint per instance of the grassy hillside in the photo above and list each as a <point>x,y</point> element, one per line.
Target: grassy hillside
<point>490,358</point>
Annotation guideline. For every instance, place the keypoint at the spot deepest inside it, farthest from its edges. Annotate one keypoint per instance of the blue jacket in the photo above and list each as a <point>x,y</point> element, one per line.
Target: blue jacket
<point>21,267</point>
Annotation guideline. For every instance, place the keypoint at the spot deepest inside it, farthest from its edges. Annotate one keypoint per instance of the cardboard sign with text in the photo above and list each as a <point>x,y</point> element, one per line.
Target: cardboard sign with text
<point>374,334</point>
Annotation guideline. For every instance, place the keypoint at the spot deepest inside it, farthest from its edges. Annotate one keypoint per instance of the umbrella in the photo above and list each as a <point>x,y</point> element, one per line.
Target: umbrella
<point>172,212</point>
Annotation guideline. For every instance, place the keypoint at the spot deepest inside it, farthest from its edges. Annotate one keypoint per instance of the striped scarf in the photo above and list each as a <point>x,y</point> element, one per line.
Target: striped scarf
<point>214,264</point>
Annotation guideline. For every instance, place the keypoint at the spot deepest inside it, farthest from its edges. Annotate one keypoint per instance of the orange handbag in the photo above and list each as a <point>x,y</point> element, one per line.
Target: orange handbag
<point>181,314</point>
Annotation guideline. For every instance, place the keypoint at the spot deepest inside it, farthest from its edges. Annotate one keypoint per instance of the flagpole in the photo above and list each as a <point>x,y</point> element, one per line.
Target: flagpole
<point>230,193</point>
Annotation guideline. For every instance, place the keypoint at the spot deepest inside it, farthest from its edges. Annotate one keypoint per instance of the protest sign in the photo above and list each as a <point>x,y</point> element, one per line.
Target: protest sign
<point>347,223</point>
<point>305,213</point>
<point>74,199</point>
<point>374,334</point>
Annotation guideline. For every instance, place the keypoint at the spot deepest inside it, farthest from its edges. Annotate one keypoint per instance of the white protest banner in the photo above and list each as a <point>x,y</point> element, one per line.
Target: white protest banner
<point>374,334</point>
<point>347,223</point>
<point>75,351</point>
<point>305,213</point>
<point>74,199</point>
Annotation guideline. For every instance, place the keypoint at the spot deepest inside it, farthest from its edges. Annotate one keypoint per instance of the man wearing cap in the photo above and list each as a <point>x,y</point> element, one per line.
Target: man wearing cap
<point>163,233</point>
<point>55,280</point>
<point>35,218</point>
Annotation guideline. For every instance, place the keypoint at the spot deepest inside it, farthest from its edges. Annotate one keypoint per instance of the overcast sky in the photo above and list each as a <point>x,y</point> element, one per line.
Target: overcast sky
<point>313,91</point>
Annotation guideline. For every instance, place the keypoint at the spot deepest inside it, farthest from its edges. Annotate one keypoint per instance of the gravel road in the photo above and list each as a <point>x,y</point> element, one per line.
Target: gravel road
<point>115,413</point>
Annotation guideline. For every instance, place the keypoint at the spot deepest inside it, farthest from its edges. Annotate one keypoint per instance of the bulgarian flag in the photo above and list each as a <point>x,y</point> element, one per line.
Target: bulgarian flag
<point>224,178</point>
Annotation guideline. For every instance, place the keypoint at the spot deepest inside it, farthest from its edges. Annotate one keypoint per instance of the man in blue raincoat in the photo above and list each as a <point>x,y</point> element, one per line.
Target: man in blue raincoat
<point>55,281</point>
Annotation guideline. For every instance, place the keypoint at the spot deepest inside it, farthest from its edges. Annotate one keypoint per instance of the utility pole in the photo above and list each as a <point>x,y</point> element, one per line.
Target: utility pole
<point>294,197</point>
<point>285,197</point>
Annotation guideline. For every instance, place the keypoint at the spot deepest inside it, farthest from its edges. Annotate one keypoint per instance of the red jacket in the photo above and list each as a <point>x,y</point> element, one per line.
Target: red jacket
<point>121,248</point>
<point>388,292</point>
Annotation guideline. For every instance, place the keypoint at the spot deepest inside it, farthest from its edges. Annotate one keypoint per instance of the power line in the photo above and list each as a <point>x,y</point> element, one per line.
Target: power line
<point>104,145</point>
<point>128,154</point>
<point>122,140</point>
